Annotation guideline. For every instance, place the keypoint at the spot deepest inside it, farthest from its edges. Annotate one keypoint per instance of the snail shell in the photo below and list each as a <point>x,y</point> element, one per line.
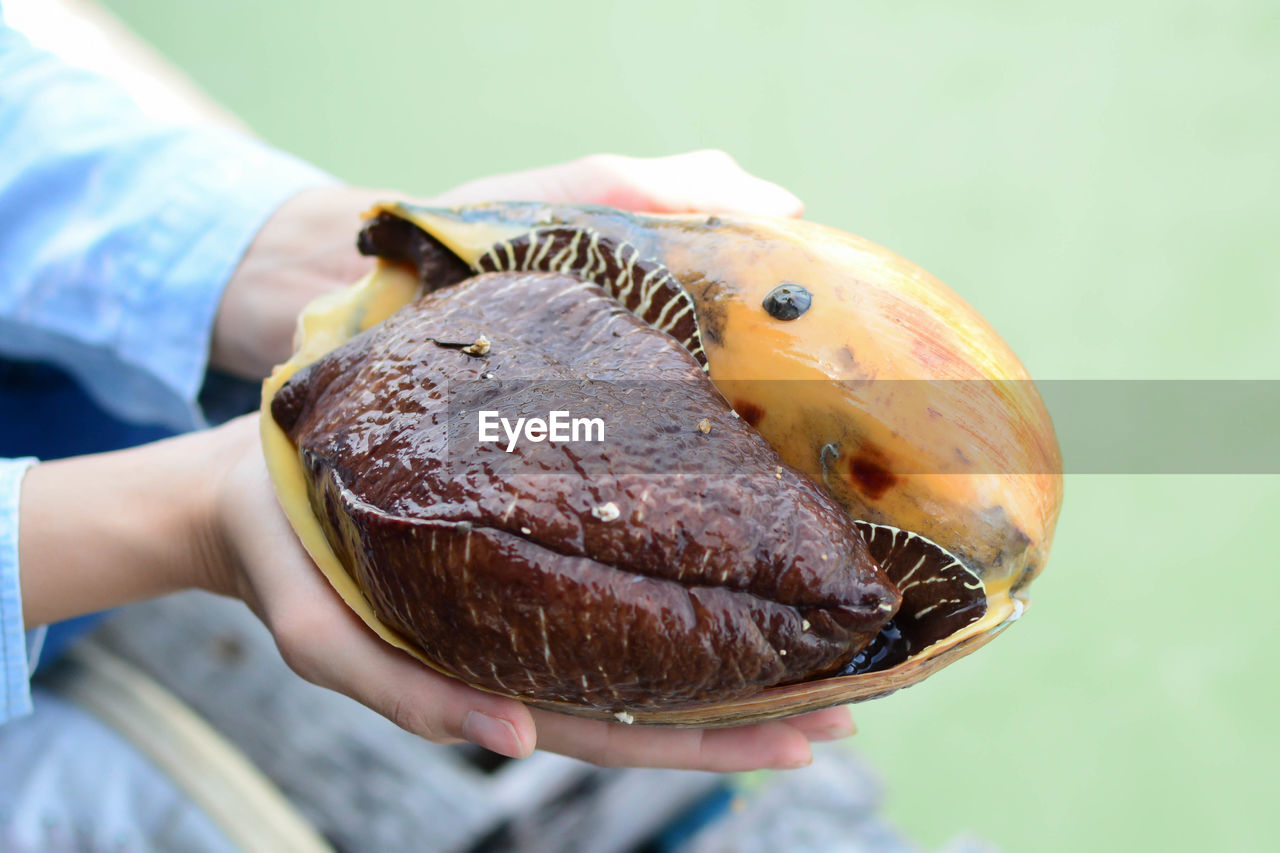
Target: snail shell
<point>886,387</point>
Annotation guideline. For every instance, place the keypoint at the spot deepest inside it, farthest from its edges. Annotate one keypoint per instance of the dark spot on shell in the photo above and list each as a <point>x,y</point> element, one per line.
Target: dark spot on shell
<point>848,358</point>
<point>787,301</point>
<point>870,476</point>
<point>1015,542</point>
<point>713,221</point>
<point>750,412</point>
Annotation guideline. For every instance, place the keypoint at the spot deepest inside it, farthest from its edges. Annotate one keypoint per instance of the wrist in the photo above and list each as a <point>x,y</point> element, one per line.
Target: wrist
<point>216,564</point>
<point>104,530</point>
<point>305,249</point>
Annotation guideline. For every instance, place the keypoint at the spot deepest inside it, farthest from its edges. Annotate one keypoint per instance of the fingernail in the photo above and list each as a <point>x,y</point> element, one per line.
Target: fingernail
<point>493,733</point>
<point>777,201</point>
<point>836,731</point>
<point>796,761</point>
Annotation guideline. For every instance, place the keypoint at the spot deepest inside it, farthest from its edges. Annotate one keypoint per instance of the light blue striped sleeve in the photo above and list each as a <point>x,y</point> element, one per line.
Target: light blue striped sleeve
<point>15,661</point>
<point>118,233</point>
<point>117,236</point>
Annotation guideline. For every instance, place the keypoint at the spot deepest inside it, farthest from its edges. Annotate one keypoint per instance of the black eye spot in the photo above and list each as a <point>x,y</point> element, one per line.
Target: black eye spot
<point>787,301</point>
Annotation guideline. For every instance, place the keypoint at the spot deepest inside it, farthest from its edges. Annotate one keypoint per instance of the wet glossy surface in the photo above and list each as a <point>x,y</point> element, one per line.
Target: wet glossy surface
<point>787,301</point>
<point>889,648</point>
<point>820,385</point>
<point>723,570</point>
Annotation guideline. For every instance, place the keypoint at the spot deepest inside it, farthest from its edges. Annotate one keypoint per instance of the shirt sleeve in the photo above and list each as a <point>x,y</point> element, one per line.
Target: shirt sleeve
<point>16,662</point>
<point>118,233</point>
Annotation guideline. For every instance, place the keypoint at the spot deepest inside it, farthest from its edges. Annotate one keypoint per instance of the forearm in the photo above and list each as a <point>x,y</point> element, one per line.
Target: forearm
<point>307,248</point>
<point>103,530</point>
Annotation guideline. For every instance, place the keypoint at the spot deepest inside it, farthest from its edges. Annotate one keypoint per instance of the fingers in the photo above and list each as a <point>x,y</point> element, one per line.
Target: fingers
<point>706,181</point>
<point>328,645</point>
<point>827,724</point>
<point>776,745</point>
<point>709,181</point>
<point>765,745</point>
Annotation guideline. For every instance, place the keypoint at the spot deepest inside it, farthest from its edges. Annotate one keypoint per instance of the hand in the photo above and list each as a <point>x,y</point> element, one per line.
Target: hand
<point>307,247</point>
<point>199,511</point>
<point>259,559</point>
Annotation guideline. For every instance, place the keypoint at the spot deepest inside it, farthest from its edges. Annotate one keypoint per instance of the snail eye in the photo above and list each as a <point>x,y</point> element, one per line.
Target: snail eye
<point>787,301</point>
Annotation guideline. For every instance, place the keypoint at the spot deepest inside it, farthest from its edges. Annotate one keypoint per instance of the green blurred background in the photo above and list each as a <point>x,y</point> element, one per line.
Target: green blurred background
<point>1100,179</point>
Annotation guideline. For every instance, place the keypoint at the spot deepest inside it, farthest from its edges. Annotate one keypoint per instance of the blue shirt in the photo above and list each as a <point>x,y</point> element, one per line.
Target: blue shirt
<point>117,236</point>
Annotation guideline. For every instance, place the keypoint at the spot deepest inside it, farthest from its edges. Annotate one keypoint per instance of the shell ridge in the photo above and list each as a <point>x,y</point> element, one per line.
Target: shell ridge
<point>644,285</point>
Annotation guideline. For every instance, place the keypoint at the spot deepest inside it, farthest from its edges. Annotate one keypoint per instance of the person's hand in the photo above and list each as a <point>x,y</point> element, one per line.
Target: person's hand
<point>258,558</point>
<point>199,511</point>
<point>307,247</point>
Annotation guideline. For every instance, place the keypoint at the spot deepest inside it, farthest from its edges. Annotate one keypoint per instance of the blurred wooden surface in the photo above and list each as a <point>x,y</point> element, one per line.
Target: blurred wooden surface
<point>360,780</point>
<point>216,777</point>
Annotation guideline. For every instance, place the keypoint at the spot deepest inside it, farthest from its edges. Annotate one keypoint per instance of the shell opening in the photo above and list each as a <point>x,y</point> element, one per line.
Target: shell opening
<point>940,596</point>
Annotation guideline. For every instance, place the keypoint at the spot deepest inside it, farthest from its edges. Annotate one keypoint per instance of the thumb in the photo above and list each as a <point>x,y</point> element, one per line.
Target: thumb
<point>698,181</point>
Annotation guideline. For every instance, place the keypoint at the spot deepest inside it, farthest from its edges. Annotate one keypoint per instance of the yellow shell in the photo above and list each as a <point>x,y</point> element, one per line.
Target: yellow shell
<point>890,389</point>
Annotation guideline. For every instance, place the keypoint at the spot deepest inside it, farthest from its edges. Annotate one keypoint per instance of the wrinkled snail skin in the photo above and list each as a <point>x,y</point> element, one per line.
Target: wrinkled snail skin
<point>813,384</point>
<point>717,572</point>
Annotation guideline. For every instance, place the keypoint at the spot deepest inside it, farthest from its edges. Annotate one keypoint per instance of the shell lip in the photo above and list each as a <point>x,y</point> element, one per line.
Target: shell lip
<point>789,700</point>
